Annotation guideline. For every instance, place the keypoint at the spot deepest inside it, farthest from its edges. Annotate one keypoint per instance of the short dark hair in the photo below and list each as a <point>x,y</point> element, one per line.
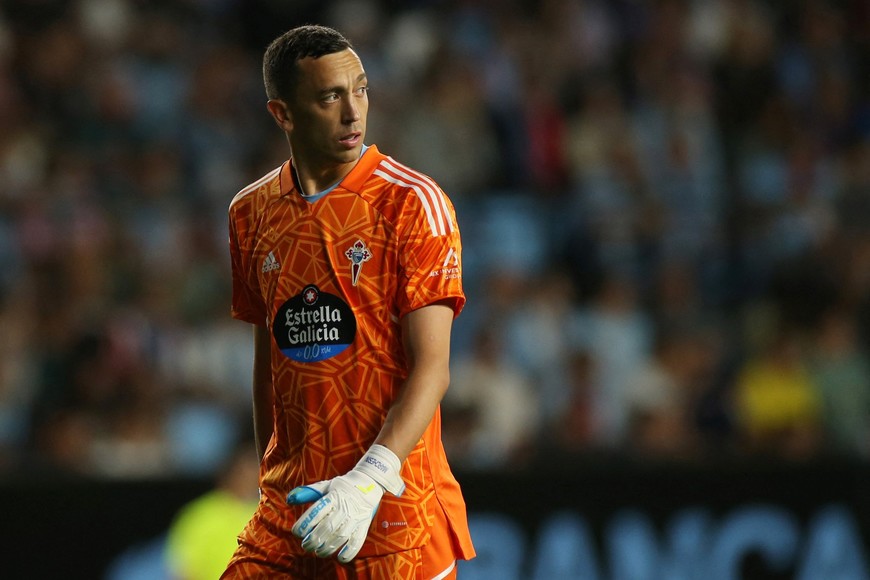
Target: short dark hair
<point>279,61</point>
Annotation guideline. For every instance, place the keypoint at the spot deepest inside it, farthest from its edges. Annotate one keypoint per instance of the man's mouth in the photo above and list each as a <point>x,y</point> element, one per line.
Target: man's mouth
<point>351,139</point>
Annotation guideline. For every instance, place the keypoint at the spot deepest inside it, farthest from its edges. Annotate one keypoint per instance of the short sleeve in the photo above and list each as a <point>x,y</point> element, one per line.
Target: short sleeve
<point>430,254</point>
<point>247,304</point>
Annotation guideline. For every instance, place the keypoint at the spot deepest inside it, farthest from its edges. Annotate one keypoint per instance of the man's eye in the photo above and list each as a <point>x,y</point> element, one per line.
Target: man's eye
<point>330,98</point>
<point>361,91</point>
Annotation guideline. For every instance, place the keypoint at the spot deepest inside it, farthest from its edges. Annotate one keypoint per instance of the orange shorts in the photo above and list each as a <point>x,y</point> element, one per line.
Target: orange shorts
<point>434,561</point>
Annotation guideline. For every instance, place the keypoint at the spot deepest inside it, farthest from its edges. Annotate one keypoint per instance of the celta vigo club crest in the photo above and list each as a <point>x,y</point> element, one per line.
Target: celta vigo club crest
<point>357,254</point>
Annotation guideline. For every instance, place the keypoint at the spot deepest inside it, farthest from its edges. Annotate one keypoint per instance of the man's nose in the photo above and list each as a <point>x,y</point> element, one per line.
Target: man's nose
<point>351,111</point>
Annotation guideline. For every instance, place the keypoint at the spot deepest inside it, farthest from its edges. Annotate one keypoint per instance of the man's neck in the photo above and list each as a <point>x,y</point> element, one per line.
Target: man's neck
<point>311,182</point>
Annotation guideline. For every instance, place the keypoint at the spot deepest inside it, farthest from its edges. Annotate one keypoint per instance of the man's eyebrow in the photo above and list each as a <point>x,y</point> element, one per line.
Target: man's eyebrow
<point>341,89</point>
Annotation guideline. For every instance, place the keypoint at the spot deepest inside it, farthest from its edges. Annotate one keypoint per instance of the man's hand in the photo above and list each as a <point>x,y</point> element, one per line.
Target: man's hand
<point>344,506</point>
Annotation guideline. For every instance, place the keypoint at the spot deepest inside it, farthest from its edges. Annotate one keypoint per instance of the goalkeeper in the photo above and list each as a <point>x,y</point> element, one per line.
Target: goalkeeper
<point>347,263</point>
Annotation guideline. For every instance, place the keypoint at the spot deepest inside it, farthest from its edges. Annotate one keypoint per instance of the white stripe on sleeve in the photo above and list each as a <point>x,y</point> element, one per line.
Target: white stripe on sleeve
<point>433,193</point>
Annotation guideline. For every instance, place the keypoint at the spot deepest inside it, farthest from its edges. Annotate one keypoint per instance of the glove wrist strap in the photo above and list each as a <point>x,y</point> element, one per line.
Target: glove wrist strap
<point>384,467</point>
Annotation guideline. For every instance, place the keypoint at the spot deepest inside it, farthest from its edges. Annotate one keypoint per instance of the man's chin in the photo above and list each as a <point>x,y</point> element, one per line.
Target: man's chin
<point>350,155</point>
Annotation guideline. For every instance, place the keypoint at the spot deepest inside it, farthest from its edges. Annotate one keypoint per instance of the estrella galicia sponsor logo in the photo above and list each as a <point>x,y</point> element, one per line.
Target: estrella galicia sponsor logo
<point>313,326</point>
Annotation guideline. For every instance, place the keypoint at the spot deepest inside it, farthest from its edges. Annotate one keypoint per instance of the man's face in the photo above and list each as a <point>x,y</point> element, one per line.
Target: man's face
<point>329,109</point>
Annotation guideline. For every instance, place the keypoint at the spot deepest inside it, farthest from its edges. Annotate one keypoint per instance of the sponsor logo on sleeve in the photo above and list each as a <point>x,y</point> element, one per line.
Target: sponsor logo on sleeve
<point>450,269</point>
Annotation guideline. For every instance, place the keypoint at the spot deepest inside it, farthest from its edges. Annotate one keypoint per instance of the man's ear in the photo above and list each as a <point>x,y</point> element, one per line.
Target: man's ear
<point>281,113</point>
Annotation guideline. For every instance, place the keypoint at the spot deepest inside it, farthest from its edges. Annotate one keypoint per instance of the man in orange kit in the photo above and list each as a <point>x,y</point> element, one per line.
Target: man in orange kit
<point>348,264</point>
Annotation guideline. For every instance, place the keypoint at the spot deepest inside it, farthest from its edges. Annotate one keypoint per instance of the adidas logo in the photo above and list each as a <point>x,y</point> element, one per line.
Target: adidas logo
<point>270,263</point>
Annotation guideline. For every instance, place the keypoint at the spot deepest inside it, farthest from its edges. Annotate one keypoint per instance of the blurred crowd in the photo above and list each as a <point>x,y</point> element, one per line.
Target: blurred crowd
<point>665,208</point>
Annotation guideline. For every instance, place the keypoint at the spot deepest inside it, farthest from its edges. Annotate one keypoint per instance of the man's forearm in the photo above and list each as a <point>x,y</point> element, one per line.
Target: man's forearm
<point>263,396</point>
<point>263,426</point>
<point>412,412</point>
<point>427,333</point>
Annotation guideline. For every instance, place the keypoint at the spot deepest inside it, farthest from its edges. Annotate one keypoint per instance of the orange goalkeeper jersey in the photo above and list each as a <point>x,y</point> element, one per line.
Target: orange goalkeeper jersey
<point>332,278</point>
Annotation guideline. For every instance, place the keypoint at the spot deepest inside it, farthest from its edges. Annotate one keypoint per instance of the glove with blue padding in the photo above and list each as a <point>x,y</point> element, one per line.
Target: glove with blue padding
<point>344,506</point>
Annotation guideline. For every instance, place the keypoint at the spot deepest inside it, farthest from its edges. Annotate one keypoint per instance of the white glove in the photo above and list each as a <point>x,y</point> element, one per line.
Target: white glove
<point>345,506</point>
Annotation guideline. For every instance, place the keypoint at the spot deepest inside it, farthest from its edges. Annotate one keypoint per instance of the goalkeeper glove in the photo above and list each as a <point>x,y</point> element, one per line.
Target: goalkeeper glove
<point>345,506</point>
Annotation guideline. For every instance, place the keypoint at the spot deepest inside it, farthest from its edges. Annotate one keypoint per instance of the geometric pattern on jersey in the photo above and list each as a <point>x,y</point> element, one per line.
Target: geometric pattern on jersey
<point>435,559</point>
<point>249,563</point>
<point>339,363</point>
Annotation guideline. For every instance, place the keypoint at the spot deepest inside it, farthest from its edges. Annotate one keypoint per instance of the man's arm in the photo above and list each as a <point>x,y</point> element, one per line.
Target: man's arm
<point>344,506</point>
<point>426,333</point>
<point>262,389</point>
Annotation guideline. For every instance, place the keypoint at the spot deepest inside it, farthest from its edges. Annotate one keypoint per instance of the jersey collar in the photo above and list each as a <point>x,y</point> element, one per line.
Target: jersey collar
<point>353,181</point>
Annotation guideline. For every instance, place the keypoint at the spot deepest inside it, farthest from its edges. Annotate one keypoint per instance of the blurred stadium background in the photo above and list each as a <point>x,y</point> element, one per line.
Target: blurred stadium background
<point>665,207</point>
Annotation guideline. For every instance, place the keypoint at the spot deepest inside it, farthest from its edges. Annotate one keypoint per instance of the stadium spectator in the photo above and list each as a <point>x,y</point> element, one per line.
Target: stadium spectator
<point>502,401</point>
<point>202,537</point>
<point>840,367</point>
<point>778,404</point>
